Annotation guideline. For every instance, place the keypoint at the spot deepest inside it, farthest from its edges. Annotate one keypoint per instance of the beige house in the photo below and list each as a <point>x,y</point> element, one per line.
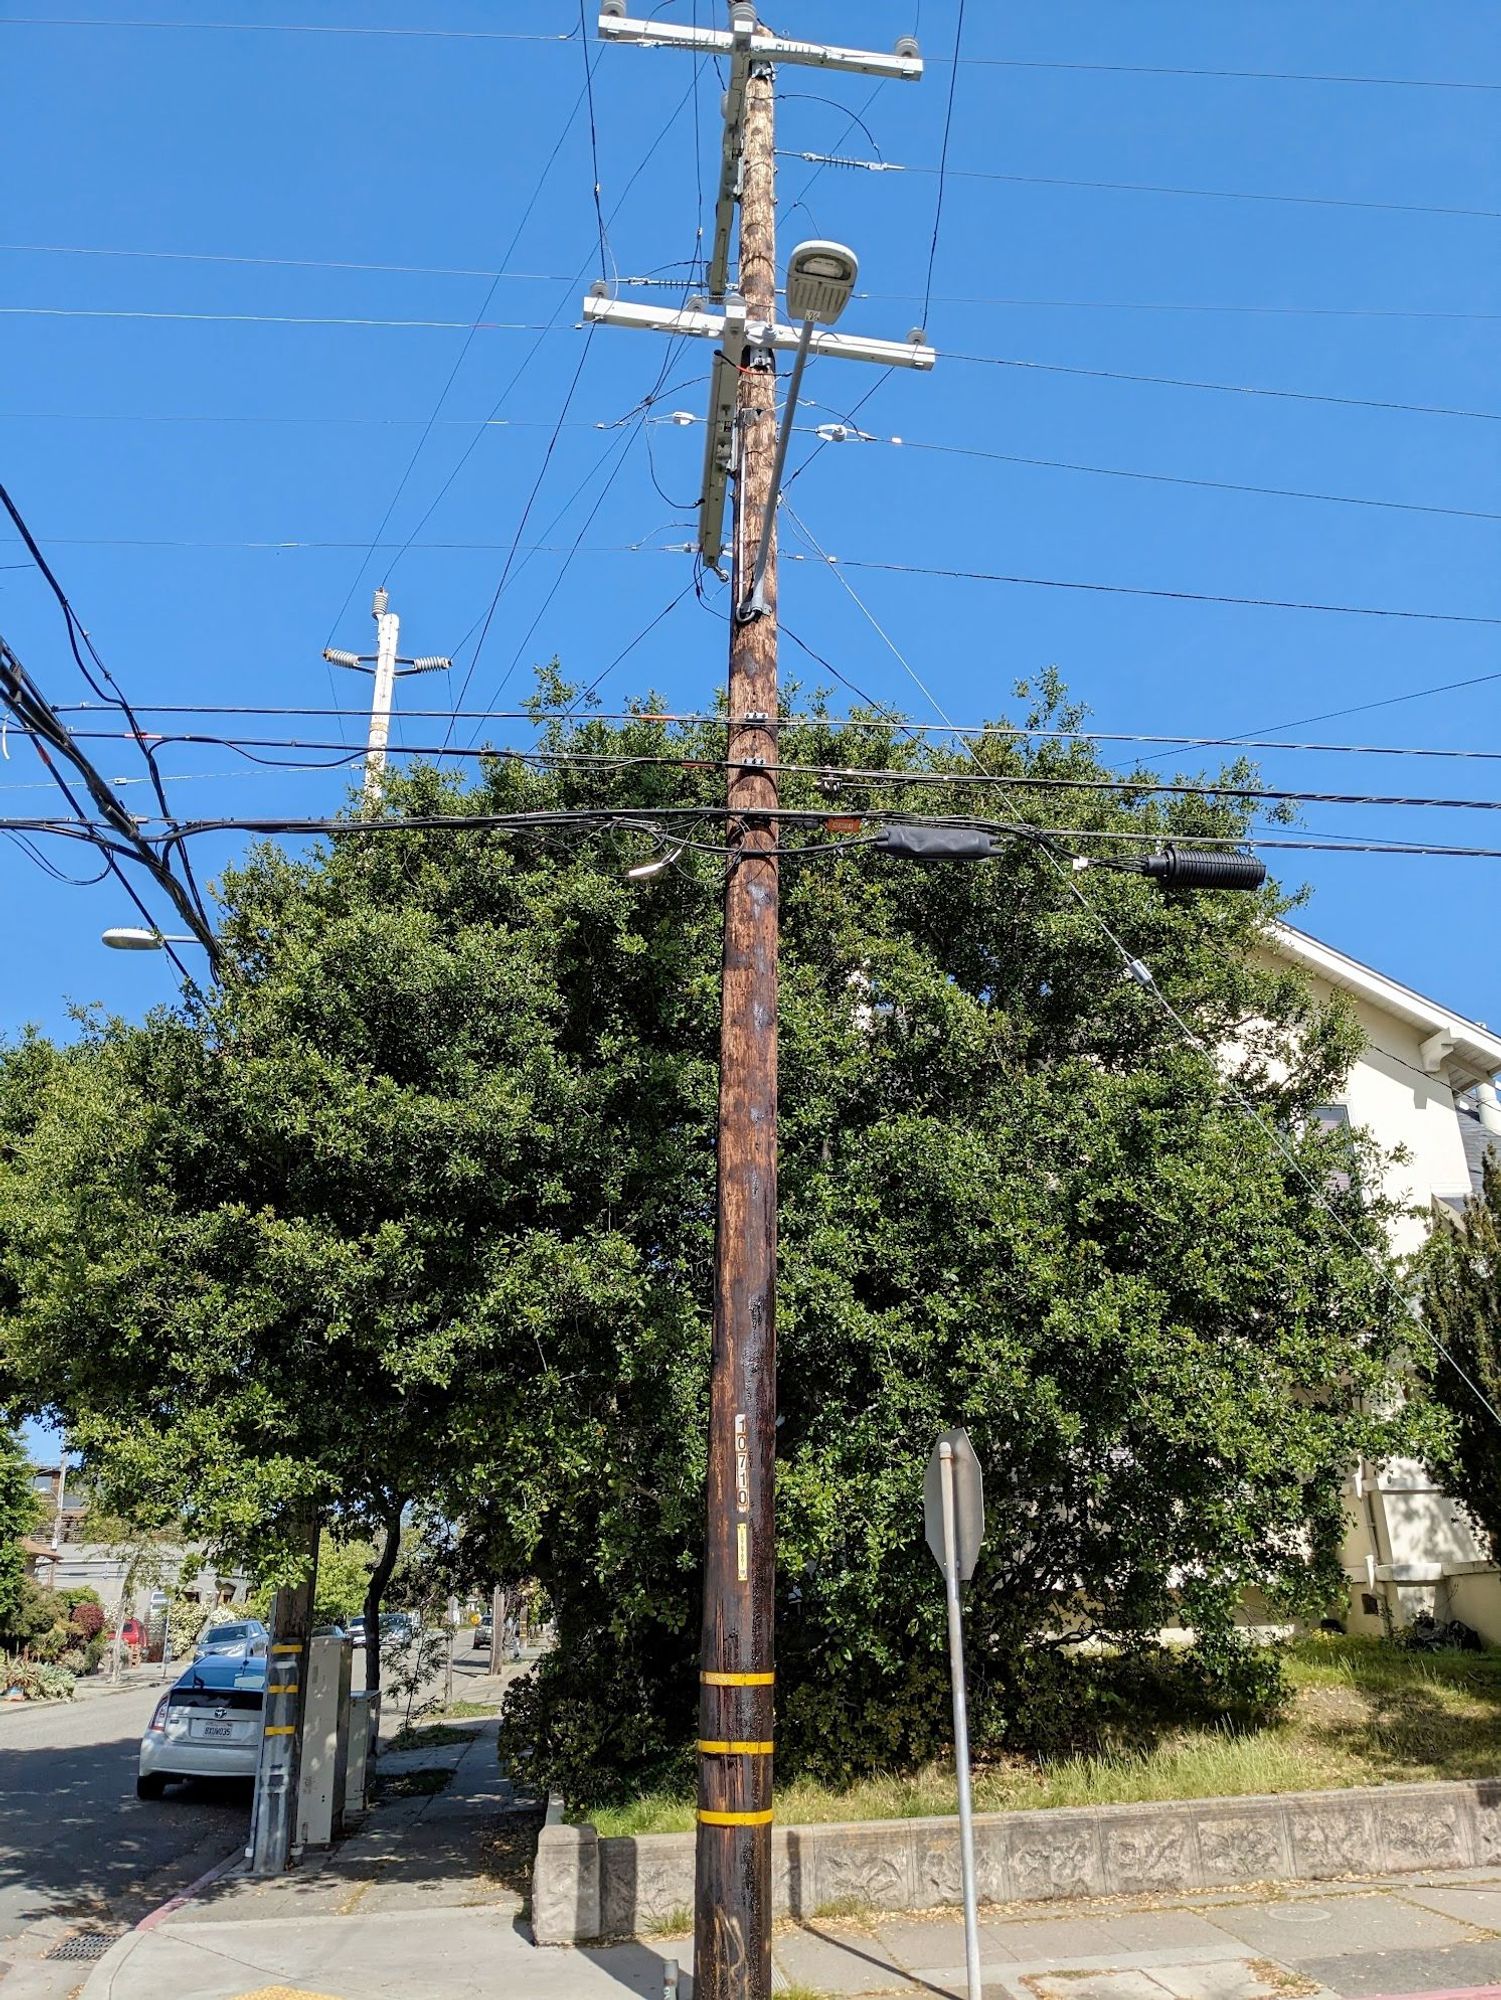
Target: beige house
<point>1425,1083</point>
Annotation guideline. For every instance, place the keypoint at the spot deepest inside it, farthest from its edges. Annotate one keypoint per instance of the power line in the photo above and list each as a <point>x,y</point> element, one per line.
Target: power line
<point>640,281</point>
<point>561,40</point>
<point>286,28</point>
<point>531,498</point>
<point>599,214</point>
<point>22,692</point>
<point>1173,479</point>
<point>943,158</point>
<point>1141,590</point>
<point>1005,732</point>
<point>943,170</point>
<point>846,774</point>
<point>462,355</point>
<point>1242,75</point>
<point>1226,388</point>
<point>274,319</point>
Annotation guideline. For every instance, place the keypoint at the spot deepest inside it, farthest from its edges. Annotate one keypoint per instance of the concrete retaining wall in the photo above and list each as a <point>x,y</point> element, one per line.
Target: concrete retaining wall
<point>585,1888</point>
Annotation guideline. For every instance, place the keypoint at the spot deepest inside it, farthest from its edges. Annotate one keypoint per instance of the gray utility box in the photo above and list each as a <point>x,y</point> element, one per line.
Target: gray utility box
<point>325,1742</point>
<point>360,1767</point>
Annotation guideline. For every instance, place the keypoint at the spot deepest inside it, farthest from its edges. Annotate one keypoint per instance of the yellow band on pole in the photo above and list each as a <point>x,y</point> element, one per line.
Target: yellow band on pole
<point>736,1819</point>
<point>738,1680</point>
<point>281,1729</point>
<point>736,1749</point>
<point>281,1687</point>
<point>286,1649</point>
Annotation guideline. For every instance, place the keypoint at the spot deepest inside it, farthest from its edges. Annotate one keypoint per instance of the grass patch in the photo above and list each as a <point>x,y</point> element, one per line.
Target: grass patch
<point>412,1784</point>
<point>470,1711</point>
<point>430,1736</point>
<point>1362,1713</point>
<point>676,1923</point>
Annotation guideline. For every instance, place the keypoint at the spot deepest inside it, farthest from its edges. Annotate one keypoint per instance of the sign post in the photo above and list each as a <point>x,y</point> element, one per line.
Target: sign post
<point>954,1517</point>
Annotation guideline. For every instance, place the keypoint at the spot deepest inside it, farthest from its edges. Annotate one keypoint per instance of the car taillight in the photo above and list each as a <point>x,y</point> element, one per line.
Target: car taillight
<point>159,1721</point>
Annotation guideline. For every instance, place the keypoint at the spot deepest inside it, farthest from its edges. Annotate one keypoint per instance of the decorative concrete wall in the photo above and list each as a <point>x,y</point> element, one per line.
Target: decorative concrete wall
<point>585,1888</point>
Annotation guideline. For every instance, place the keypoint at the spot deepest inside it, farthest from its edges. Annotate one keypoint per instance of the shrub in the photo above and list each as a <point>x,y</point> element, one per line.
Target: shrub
<point>37,1680</point>
<point>88,1619</point>
<point>94,1652</point>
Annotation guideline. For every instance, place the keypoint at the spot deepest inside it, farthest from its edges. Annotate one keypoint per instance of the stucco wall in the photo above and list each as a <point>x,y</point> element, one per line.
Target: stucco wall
<point>1391,1093</point>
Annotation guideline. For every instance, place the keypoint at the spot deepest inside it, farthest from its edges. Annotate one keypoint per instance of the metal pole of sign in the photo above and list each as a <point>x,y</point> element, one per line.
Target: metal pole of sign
<point>951,1559</point>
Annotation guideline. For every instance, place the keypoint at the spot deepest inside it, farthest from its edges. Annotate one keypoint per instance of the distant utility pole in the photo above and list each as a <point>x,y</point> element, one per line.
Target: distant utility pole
<point>274,1815</point>
<point>732,1943</point>
<point>387,666</point>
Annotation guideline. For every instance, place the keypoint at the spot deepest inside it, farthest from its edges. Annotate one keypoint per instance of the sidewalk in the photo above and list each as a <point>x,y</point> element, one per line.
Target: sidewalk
<point>428,1898</point>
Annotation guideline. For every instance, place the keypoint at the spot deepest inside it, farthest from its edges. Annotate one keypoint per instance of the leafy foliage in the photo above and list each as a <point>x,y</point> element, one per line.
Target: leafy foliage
<point>419,1207</point>
<point>1460,1273</point>
<point>19,1514</point>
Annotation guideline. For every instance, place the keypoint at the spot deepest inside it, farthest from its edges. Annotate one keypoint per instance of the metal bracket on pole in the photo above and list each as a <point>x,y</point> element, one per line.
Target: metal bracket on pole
<point>759,333</point>
<point>898,66</point>
<point>719,446</point>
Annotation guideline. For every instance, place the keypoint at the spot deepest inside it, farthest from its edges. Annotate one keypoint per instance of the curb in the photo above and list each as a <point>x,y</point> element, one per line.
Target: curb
<point>101,1979</point>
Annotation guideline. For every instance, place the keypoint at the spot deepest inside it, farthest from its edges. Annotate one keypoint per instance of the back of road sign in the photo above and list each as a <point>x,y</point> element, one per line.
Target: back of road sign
<point>969,1503</point>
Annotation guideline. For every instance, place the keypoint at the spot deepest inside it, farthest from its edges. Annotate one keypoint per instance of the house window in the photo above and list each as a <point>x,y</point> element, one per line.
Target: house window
<point>1369,1605</point>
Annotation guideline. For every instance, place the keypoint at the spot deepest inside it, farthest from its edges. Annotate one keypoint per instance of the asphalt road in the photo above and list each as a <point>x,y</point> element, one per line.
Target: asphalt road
<point>75,1842</point>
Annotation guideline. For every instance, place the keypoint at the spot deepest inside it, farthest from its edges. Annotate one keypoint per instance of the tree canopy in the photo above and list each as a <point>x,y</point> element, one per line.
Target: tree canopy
<point>418,1205</point>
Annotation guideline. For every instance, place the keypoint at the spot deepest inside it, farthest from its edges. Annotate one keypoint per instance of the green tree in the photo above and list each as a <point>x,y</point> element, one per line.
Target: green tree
<point>1460,1272</point>
<point>418,1208</point>
<point>19,1514</point>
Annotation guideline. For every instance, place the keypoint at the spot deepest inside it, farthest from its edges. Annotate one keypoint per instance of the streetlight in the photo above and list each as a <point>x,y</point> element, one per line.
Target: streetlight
<point>820,278</point>
<point>129,937</point>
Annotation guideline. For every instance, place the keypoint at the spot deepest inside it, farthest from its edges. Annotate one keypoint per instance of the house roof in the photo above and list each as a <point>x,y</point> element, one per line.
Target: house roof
<point>1477,1141</point>
<point>1465,1051</point>
<point>40,1551</point>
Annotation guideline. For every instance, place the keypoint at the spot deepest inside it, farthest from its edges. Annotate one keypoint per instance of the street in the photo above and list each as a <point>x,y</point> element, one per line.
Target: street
<point>76,1845</point>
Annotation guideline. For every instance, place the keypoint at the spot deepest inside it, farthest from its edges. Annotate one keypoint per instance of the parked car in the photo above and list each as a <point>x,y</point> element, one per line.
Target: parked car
<point>245,1638</point>
<point>207,1724</point>
<point>132,1635</point>
<point>483,1632</point>
<point>397,1628</point>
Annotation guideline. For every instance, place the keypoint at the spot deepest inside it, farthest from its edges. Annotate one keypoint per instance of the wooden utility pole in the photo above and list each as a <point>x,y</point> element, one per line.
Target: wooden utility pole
<point>732,1948</point>
<point>732,1945</point>
<point>273,1819</point>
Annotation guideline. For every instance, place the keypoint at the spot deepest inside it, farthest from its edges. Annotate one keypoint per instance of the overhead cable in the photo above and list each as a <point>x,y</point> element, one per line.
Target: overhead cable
<point>1142,590</point>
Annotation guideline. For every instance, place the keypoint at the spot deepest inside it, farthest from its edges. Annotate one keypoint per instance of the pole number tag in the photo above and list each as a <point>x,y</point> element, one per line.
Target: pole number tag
<point>742,1464</point>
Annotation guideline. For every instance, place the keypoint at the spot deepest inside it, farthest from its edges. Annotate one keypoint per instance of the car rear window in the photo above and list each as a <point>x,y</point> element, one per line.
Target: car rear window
<point>217,1632</point>
<point>217,1698</point>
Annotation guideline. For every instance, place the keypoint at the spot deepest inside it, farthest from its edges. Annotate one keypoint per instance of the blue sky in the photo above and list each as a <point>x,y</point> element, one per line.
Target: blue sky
<point>156,456</point>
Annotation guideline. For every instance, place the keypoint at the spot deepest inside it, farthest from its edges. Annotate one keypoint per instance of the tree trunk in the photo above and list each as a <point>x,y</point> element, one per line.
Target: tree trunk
<point>380,1576</point>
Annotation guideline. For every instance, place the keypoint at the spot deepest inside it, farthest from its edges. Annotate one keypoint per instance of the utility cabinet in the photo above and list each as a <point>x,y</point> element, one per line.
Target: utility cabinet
<point>325,1741</point>
<point>360,1766</point>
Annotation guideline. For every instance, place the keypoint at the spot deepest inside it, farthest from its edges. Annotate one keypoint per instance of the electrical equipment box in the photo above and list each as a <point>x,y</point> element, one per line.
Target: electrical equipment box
<point>360,1767</point>
<point>323,1775</point>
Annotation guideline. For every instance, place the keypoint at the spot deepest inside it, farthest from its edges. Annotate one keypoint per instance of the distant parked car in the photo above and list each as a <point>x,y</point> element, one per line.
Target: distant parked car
<point>397,1628</point>
<point>483,1632</point>
<point>245,1638</point>
<point>207,1724</point>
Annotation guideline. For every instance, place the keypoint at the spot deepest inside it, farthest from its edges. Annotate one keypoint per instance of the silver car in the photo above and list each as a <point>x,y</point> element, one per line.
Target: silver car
<point>244,1636</point>
<point>207,1725</point>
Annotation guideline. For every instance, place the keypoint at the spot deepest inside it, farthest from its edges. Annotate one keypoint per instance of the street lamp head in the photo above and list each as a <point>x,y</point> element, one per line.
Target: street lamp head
<point>645,869</point>
<point>128,937</point>
<point>820,279</point>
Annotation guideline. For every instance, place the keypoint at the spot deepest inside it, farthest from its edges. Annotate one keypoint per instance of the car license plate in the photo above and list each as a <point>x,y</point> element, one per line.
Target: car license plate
<point>222,1731</point>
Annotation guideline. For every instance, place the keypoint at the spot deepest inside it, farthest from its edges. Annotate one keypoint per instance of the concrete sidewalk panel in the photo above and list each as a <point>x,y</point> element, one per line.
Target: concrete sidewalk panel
<point>1296,1932</point>
<point>1449,1970</point>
